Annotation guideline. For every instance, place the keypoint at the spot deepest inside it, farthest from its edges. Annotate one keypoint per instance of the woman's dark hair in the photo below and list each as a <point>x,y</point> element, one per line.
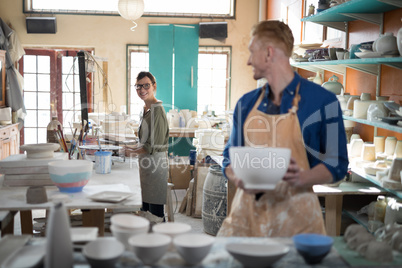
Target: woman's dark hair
<point>146,74</point>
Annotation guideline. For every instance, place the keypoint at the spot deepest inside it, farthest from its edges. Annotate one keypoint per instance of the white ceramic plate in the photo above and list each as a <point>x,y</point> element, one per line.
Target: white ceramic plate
<point>26,257</point>
<point>368,54</point>
<point>83,234</point>
<point>96,147</point>
<point>110,196</point>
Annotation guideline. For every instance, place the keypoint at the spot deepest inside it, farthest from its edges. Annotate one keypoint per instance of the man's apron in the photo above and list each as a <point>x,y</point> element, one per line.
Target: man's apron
<point>286,210</point>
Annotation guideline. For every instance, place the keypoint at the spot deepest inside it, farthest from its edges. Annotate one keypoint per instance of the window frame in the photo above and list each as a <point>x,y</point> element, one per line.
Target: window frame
<point>56,86</point>
<point>27,9</point>
<point>202,49</point>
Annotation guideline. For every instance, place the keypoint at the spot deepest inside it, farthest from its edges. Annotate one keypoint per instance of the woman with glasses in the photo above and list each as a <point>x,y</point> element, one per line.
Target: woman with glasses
<point>153,136</point>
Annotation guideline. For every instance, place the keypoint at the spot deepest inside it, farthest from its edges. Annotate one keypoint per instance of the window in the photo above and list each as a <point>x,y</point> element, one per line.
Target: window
<point>213,77</point>
<point>138,59</point>
<point>51,88</point>
<point>177,8</point>
<point>36,97</point>
<point>316,33</point>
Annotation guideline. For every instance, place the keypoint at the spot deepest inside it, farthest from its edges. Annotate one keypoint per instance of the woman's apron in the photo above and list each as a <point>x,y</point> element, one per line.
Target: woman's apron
<point>286,210</point>
<point>154,173</point>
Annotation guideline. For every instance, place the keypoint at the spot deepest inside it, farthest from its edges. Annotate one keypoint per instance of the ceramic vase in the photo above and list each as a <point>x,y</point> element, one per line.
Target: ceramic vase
<point>317,79</point>
<point>333,85</point>
<point>59,248</point>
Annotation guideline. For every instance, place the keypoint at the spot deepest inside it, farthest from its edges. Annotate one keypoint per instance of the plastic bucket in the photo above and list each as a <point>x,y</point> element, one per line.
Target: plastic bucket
<point>214,204</point>
<point>103,162</point>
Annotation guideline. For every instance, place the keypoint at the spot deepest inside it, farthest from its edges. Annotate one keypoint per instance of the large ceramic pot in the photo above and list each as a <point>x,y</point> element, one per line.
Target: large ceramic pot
<point>333,85</point>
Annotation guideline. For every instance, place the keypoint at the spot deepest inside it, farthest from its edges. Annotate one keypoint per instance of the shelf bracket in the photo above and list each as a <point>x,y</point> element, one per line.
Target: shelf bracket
<point>396,3</point>
<point>367,68</point>
<point>338,25</point>
<point>367,17</point>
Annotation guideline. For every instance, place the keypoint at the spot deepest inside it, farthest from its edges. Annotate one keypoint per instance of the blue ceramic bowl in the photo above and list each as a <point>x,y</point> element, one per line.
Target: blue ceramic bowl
<point>313,247</point>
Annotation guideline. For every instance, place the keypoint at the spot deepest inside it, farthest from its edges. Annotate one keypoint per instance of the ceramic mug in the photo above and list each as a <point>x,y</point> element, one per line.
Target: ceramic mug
<point>390,144</point>
<point>379,142</point>
<point>398,149</point>
<point>356,147</point>
<point>365,96</point>
<point>368,152</point>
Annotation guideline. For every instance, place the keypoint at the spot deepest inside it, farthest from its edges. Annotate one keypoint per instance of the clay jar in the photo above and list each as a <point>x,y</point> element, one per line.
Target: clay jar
<point>333,85</point>
<point>386,44</point>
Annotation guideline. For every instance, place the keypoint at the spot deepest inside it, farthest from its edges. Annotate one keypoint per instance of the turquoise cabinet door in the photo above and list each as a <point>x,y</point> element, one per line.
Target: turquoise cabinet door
<point>161,61</point>
<point>185,66</point>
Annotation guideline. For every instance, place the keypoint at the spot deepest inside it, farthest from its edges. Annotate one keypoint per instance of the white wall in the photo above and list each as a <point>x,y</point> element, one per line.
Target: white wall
<point>109,35</point>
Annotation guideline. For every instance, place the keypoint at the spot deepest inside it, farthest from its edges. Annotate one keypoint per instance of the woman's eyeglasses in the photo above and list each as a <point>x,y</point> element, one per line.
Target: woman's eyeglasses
<point>144,86</point>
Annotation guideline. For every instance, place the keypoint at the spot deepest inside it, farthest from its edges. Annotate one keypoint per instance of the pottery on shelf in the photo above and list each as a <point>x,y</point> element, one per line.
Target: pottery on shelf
<point>317,79</point>
<point>386,44</point>
<point>333,85</point>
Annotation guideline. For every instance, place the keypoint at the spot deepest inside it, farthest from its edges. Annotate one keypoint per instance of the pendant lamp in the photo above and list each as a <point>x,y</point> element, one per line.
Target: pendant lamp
<point>131,10</point>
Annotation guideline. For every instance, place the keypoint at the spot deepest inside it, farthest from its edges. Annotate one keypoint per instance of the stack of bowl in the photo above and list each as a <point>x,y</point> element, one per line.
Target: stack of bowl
<point>125,225</point>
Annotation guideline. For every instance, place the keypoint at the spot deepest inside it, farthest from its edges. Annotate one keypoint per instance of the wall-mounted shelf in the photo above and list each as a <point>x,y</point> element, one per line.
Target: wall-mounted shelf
<point>386,126</point>
<point>373,179</point>
<point>365,10</point>
<point>368,65</point>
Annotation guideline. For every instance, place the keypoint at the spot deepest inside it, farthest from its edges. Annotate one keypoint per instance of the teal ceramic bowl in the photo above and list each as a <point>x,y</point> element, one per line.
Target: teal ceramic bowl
<point>70,176</point>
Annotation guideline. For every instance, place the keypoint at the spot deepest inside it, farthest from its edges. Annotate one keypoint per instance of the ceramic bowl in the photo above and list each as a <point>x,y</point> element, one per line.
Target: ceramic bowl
<point>123,235</point>
<point>150,247</point>
<point>313,247</point>
<point>171,229</point>
<point>130,222</point>
<point>40,150</point>
<point>260,168</point>
<point>103,252</point>
<point>257,255</point>
<point>70,176</point>
<point>193,247</point>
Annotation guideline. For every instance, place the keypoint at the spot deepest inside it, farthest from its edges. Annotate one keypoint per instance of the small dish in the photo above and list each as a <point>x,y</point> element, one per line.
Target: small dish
<point>257,255</point>
<point>368,54</point>
<point>110,196</point>
<point>26,257</point>
<point>392,106</point>
<point>391,120</point>
<point>83,234</point>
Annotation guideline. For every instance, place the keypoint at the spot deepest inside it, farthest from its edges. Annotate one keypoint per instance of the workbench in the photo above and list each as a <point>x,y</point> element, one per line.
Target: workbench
<point>123,177</point>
